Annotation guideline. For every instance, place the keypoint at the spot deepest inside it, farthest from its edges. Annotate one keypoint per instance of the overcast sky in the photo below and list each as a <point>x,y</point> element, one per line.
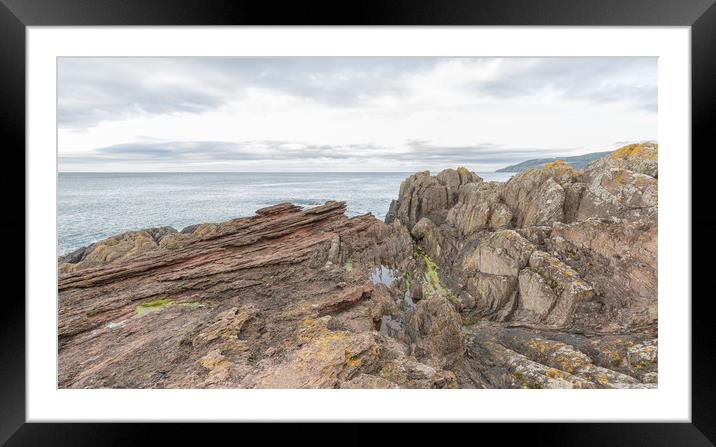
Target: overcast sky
<point>346,114</point>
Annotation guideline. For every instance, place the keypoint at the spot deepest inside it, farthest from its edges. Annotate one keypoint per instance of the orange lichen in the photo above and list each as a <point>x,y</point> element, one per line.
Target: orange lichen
<point>642,150</point>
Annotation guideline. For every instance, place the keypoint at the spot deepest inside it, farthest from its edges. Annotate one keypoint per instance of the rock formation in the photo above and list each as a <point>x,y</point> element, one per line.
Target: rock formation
<point>548,280</point>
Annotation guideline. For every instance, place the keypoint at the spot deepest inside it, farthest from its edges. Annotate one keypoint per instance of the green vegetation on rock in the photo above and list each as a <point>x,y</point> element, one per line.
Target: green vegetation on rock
<point>431,273</point>
<point>150,306</point>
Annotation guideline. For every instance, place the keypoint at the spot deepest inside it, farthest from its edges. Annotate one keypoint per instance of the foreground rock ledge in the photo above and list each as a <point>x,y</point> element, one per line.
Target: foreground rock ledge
<point>545,281</point>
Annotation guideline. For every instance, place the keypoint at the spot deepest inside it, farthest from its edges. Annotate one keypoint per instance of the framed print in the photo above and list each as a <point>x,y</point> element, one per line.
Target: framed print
<point>425,213</point>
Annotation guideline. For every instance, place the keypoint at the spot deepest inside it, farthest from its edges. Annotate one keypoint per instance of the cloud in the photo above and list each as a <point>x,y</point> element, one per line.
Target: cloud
<point>597,79</point>
<point>183,155</point>
<point>96,90</point>
<point>93,90</point>
<point>343,114</point>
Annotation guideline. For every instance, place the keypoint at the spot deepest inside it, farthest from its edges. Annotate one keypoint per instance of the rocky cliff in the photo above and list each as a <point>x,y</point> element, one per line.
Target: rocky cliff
<point>548,280</point>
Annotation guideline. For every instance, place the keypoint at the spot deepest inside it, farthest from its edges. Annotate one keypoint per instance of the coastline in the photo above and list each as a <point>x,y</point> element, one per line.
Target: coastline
<point>466,283</point>
<point>94,206</point>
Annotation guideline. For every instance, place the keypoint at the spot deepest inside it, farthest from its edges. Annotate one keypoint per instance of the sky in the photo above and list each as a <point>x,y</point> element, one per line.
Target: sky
<point>330,114</point>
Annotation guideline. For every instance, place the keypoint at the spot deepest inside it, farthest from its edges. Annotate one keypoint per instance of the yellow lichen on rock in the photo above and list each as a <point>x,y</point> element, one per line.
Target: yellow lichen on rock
<point>325,359</point>
<point>555,164</point>
<point>212,359</point>
<point>641,150</point>
<point>217,365</point>
<point>226,326</point>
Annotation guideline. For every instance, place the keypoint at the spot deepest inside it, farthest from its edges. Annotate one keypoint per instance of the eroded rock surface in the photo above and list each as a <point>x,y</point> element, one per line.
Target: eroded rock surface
<point>548,280</point>
<point>552,249</point>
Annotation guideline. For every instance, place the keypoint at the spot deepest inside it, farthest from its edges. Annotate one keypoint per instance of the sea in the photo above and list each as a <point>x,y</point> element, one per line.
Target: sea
<point>93,206</point>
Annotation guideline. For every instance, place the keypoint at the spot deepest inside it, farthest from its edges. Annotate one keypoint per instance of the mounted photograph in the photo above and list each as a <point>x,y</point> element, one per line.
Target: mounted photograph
<point>357,222</point>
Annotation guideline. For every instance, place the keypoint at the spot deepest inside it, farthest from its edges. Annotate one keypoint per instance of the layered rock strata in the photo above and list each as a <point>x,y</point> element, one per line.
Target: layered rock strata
<point>548,280</point>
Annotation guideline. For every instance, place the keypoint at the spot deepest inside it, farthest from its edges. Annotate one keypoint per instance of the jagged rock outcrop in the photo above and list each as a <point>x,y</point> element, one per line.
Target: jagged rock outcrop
<point>578,253</point>
<point>640,158</point>
<point>435,329</point>
<point>619,260</point>
<point>548,280</point>
<point>571,252</point>
<point>479,208</point>
<point>622,185</point>
<point>618,194</point>
<point>422,195</point>
<point>121,247</point>
<point>537,196</point>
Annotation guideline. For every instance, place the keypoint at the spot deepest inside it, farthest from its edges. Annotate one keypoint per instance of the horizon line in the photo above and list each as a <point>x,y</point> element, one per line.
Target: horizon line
<point>254,172</point>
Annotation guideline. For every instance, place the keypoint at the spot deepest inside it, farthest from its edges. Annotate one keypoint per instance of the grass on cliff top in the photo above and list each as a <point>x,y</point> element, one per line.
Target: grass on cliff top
<point>153,305</point>
<point>349,265</point>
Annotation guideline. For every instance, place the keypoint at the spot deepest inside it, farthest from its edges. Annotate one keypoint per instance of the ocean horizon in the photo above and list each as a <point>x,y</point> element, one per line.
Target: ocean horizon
<point>92,206</point>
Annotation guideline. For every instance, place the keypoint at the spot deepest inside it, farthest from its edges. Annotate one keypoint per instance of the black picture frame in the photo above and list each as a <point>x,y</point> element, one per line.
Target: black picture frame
<point>16,15</point>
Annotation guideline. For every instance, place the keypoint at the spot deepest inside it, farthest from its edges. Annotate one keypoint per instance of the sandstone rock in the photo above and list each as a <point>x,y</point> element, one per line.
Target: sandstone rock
<point>536,298</point>
<point>618,193</point>
<point>518,357</point>
<point>360,309</point>
<point>404,370</point>
<point>124,246</point>
<point>383,303</point>
<point>254,304</point>
<point>526,373</point>
<point>537,235</point>
<point>567,287</point>
<point>567,358</point>
<point>549,294</point>
<point>537,196</point>
<point>392,214</point>
<point>620,261</point>
<point>435,332</point>
<point>368,381</point>
<point>327,360</point>
<point>489,296</point>
<point>430,237</point>
<point>346,299</point>
<point>333,251</point>
<point>641,158</point>
<point>643,355</point>
<point>503,252</point>
<point>160,233</point>
<point>409,373</point>
<point>217,365</point>
<point>573,193</point>
<point>501,217</point>
<point>479,207</point>
<point>226,326</point>
<point>422,195</point>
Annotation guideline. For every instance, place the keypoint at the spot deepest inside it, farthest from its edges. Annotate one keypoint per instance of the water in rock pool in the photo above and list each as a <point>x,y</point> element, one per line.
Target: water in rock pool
<point>385,275</point>
<point>93,206</point>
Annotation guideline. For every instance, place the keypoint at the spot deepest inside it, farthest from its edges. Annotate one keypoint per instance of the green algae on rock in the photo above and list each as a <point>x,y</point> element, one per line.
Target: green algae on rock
<point>153,305</point>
